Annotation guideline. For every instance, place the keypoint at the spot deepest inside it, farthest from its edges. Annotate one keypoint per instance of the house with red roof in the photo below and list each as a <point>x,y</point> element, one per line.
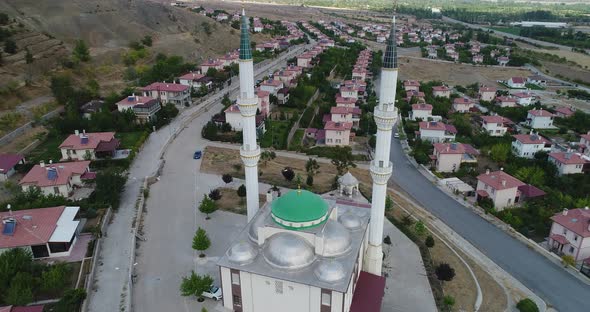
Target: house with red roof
<point>585,143</point>
<point>145,108</point>
<point>349,91</point>
<point>540,119</point>
<point>45,232</point>
<point>495,125</point>
<point>89,146</point>
<point>565,112</point>
<point>527,145</point>
<point>191,80</point>
<point>272,86</point>
<point>58,178</point>
<point>506,101</point>
<point>524,98</point>
<point>169,93</point>
<point>462,104</point>
<point>346,114</point>
<point>569,163</point>
<point>418,95</point>
<point>337,133</point>
<point>448,157</point>
<point>304,60</point>
<point>35,308</point>
<point>283,95</point>
<point>436,131</point>
<point>477,58</point>
<point>211,63</point>
<point>503,60</point>
<point>7,164</point>
<point>345,102</point>
<point>516,82</point>
<point>441,91</point>
<point>487,94</point>
<point>570,234</point>
<point>411,85</point>
<point>500,187</point>
<point>421,111</point>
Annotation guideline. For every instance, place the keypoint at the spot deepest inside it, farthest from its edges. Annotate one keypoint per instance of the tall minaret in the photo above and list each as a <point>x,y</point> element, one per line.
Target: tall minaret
<point>248,103</point>
<point>385,115</point>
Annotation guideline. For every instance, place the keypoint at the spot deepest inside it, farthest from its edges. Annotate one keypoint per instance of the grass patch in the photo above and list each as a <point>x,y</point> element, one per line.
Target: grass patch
<point>11,121</point>
<point>129,139</point>
<point>48,150</point>
<point>297,140</point>
<point>533,86</point>
<point>510,30</point>
<point>276,134</point>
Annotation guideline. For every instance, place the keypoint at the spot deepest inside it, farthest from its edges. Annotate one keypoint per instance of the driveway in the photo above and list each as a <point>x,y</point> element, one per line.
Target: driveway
<point>556,286</point>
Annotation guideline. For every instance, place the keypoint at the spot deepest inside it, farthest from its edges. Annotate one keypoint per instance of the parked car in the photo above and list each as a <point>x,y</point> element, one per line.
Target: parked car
<point>213,293</point>
<point>197,155</point>
<point>396,135</point>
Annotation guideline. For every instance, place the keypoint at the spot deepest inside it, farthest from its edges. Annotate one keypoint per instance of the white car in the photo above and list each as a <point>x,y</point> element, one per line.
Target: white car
<point>396,135</point>
<point>213,293</point>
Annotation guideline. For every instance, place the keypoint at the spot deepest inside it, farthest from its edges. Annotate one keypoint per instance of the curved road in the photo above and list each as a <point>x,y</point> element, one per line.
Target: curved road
<point>553,284</point>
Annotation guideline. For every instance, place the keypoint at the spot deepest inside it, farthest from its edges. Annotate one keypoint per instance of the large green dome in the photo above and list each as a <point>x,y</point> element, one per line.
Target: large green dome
<point>299,209</point>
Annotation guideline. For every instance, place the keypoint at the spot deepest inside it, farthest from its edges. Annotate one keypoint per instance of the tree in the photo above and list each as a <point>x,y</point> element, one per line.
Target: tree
<point>109,185</point>
<point>207,206</point>
<point>500,152</point>
<point>201,241</point>
<point>81,52</point>
<point>568,261</point>
<point>343,159</point>
<point>429,242</point>
<point>531,175</point>
<point>70,301</point>
<point>288,173</point>
<point>266,156</point>
<point>11,262</point>
<point>9,46</point>
<point>227,178</point>
<point>195,284</point>
<point>147,41</point>
<point>20,292</point>
<point>527,305</point>
<point>312,166</point>
<point>28,56</point>
<point>449,301</point>
<point>62,89</point>
<point>242,191</point>
<point>55,279</point>
<point>226,101</point>
<point>215,194</point>
<point>388,203</point>
<point>444,272</point>
<point>419,228</point>
<point>309,180</point>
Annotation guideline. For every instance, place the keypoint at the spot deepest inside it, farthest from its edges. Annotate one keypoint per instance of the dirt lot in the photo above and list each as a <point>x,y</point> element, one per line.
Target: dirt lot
<point>455,74</point>
<point>564,70</point>
<point>582,59</point>
<point>230,201</point>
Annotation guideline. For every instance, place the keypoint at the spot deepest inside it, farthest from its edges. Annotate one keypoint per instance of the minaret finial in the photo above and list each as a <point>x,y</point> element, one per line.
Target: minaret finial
<point>390,57</point>
<point>245,49</point>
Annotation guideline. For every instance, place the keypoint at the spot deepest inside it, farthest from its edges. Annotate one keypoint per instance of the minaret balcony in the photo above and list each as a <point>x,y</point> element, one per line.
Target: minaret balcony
<point>381,171</point>
<point>385,119</point>
<point>250,157</point>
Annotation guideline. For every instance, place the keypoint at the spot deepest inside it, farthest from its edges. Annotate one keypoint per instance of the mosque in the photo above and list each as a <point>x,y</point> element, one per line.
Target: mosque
<point>301,252</point>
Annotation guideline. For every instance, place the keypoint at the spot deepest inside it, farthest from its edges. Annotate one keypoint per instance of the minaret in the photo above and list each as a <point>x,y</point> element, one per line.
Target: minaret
<point>385,115</point>
<point>248,103</point>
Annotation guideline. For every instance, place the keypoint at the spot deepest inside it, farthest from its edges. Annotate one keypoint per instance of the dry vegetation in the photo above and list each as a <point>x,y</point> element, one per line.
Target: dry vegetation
<point>230,201</point>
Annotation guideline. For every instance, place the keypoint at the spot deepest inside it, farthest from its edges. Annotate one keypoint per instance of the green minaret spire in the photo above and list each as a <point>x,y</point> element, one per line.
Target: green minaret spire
<point>390,57</point>
<point>245,49</point>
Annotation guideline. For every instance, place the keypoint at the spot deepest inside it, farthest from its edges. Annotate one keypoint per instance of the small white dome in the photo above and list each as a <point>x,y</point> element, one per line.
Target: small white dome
<point>336,239</point>
<point>288,251</point>
<point>350,221</point>
<point>242,253</point>
<point>329,271</point>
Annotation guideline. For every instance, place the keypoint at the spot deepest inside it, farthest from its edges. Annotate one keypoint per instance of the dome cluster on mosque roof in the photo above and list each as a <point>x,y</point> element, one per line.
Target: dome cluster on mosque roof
<point>288,251</point>
<point>329,271</point>
<point>299,209</point>
<point>337,239</point>
<point>242,253</point>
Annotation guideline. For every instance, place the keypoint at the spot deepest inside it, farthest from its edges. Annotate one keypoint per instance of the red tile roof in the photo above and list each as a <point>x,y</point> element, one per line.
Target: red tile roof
<point>576,220</point>
<point>462,100</point>
<point>8,161</point>
<point>455,148</point>
<point>530,191</point>
<point>566,111</point>
<point>569,158</point>
<point>345,110</point>
<point>167,87</point>
<point>191,76</point>
<point>233,109</point>
<point>437,126</point>
<point>413,83</point>
<point>540,113</point>
<point>559,238</point>
<point>487,89</point>
<point>506,99</point>
<point>494,119</point>
<point>134,100</point>
<point>36,308</point>
<point>342,126</point>
<point>440,88</point>
<point>368,293</point>
<point>343,100</point>
<point>530,139</point>
<point>499,180</point>
<point>517,80</point>
<point>38,175</point>
<point>422,106</point>
<point>94,138</point>
<point>31,231</point>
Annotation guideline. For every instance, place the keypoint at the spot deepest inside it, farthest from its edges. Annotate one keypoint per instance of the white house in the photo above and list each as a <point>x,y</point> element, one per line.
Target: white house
<point>169,93</point>
<point>524,98</point>
<point>537,80</point>
<point>516,83</point>
<point>540,119</point>
<point>500,187</point>
<point>494,125</point>
<point>422,111</point>
<point>57,179</point>
<point>88,146</point>
<point>272,86</point>
<point>462,104</point>
<point>448,157</point>
<point>441,91</point>
<point>527,145</point>
<point>570,234</point>
<point>435,131</point>
<point>568,162</point>
<point>506,101</point>
<point>7,164</point>
<point>487,94</point>
<point>412,85</point>
<point>191,80</point>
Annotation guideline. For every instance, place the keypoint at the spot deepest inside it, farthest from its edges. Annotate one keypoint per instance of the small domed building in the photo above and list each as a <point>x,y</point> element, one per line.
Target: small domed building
<point>301,253</point>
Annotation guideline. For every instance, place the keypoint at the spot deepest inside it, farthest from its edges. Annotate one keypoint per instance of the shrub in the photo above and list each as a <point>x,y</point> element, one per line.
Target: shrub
<point>208,206</point>
<point>288,173</point>
<point>201,241</point>
<point>429,242</point>
<point>420,228</point>
<point>70,301</point>
<point>242,191</point>
<point>195,284</point>
<point>527,305</point>
<point>227,178</point>
<point>444,272</point>
<point>215,194</point>
<point>449,301</point>
<point>387,240</point>
<point>309,180</point>
<point>568,260</point>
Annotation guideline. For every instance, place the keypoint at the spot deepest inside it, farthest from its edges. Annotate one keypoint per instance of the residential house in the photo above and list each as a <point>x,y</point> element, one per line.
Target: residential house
<point>44,232</point>
<point>283,95</point>
<point>57,179</point>
<point>263,102</point>
<point>345,102</point>
<point>570,234</point>
<point>506,101</point>
<point>144,107</point>
<point>436,131</point>
<point>565,112</point>
<point>345,115</point>
<point>411,85</point>
<point>462,104</point>
<point>500,187</point>
<point>487,94</point>
<point>272,86</point>
<point>527,145</point>
<point>211,63</point>
<point>349,92</point>
<point>191,80</point>
<point>415,94</point>
<point>585,143</point>
<point>569,163</point>
<point>537,80</point>
<point>503,60</point>
<point>539,119</point>
<point>441,91</point>
<point>168,93</point>
<point>8,162</point>
<point>494,125</point>
<point>477,58</point>
<point>448,157</point>
<point>89,146</point>
<point>234,118</point>
<point>516,82</point>
<point>337,133</point>
<point>304,60</point>
<point>421,111</point>
<point>524,98</point>
<point>90,108</point>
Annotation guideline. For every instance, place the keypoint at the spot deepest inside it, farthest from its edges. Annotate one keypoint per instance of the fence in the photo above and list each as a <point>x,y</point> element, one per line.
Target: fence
<point>21,130</point>
<point>296,125</point>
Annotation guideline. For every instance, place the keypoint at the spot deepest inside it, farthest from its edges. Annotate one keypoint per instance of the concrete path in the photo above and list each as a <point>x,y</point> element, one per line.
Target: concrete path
<point>111,290</point>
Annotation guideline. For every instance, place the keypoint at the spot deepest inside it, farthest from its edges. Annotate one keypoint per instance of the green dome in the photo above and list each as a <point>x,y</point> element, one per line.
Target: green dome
<point>299,206</point>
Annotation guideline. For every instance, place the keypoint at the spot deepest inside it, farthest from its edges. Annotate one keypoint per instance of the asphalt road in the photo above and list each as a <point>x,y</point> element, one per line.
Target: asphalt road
<point>557,287</point>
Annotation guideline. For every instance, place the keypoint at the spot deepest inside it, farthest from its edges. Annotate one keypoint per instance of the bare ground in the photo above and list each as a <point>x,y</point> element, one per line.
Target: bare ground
<point>230,201</point>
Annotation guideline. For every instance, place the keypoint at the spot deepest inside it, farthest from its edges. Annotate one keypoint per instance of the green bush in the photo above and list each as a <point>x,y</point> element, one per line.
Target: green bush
<point>527,305</point>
